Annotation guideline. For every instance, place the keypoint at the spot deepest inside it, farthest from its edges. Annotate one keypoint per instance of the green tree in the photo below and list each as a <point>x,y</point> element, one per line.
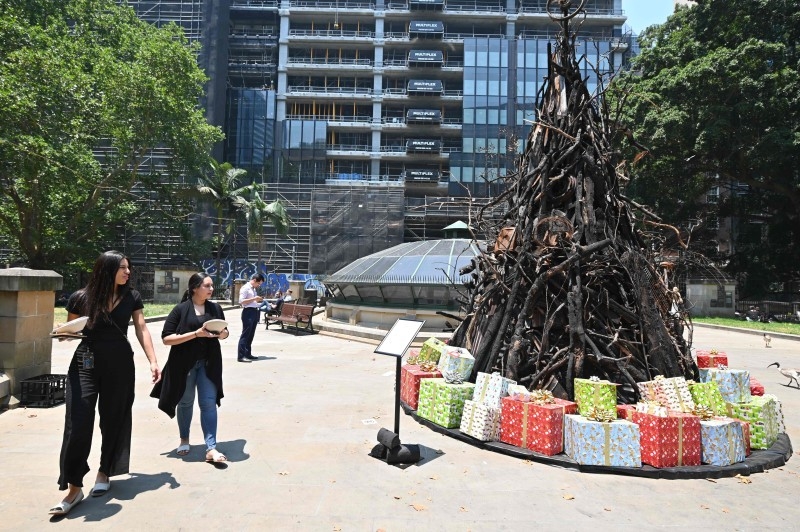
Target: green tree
<point>228,196</point>
<point>90,99</point>
<point>257,212</point>
<point>715,98</point>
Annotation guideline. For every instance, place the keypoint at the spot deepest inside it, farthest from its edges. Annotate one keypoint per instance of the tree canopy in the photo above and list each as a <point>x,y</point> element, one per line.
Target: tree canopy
<point>99,122</point>
<point>714,97</point>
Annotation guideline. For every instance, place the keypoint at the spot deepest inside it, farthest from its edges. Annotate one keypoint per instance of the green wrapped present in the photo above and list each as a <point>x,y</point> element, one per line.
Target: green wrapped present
<point>761,413</point>
<point>707,394</point>
<point>595,394</point>
<point>443,402</point>
<point>431,351</point>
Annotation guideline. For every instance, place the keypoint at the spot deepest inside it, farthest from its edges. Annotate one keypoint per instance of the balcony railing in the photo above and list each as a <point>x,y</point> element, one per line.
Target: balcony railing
<point>254,4</point>
<point>329,62</point>
<point>337,5</point>
<point>330,90</point>
<point>332,33</point>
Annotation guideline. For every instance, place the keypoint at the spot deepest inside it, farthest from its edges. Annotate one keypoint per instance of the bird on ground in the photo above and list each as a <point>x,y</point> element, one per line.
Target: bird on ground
<point>793,374</point>
<point>767,340</point>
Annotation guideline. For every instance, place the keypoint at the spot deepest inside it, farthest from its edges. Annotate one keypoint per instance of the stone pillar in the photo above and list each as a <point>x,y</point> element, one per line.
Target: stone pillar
<point>27,302</point>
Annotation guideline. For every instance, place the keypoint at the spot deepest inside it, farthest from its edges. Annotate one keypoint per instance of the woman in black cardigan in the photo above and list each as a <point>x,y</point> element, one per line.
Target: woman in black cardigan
<point>195,363</point>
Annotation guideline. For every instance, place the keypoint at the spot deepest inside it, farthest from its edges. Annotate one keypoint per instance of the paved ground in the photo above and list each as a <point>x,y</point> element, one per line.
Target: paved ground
<point>297,426</point>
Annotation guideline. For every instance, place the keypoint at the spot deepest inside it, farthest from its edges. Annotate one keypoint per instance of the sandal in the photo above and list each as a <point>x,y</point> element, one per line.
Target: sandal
<point>215,456</point>
<point>183,449</point>
<point>64,507</point>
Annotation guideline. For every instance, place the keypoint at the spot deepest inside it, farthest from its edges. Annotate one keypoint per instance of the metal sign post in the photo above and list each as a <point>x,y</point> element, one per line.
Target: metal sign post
<point>395,344</point>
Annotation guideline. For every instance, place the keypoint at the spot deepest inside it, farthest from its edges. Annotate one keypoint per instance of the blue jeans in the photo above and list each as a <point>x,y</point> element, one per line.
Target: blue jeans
<point>206,398</point>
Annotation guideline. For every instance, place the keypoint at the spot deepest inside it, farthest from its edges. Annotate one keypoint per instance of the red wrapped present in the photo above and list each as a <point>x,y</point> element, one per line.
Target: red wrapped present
<point>625,411</point>
<point>538,427</point>
<point>711,359</point>
<point>669,441</point>
<point>410,377</point>
<point>756,388</point>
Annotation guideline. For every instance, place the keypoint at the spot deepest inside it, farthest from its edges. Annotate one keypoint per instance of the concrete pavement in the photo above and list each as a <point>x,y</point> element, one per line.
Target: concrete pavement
<point>297,426</point>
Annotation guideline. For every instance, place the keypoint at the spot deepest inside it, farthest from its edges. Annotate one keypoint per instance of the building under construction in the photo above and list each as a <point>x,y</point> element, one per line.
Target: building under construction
<point>376,122</point>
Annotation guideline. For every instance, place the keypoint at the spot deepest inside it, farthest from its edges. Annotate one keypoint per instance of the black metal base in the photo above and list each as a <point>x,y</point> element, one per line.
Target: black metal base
<point>757,462</point>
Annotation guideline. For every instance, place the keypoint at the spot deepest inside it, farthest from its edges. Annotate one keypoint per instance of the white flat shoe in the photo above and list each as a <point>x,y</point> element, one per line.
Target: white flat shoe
<point>63,508</point>
<point>100,489</point>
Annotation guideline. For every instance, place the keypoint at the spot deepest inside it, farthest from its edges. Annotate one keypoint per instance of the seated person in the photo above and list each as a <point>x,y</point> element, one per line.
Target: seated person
<point>288,297</point>
<point>267,307</point>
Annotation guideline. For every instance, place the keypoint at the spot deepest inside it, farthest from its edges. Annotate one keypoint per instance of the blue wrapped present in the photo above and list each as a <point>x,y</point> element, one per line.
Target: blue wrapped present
<point>733,384</point>
<point>722,441</point>
<point>614,443</point>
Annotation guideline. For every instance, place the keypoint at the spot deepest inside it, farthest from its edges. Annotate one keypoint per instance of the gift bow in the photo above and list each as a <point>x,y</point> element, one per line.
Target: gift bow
<point>601,414</point>
<point>542,397</point>
<point>412,359</point>
<point>453,377</point>
<point>703,412</point>
<point>594,378</point>
<point>428,366</point>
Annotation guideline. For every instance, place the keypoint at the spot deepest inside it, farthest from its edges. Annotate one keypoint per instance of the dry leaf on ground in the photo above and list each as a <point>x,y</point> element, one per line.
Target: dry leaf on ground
<point>419,507</point>
<point>463,509</point>
<point>568,497</point>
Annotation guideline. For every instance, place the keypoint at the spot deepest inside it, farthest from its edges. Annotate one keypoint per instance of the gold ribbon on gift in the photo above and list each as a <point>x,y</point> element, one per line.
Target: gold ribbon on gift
<point>731,437</point>
<point>484,387</point>
<point>471,418</point>
<point>607,444</point>
<point>525,424</point>
<point>542,397</point>
<point>680,441</point>
<point>703,412</point>
<point>428,366</point>
<point>602,415</point>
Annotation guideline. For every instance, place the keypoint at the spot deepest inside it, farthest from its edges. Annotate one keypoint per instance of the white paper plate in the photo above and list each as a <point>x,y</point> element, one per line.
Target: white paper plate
<point>215,326</point>
<point>72,327</point>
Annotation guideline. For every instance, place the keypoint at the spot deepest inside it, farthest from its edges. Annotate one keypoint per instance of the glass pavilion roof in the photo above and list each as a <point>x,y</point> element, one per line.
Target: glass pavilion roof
<point>432,262</point>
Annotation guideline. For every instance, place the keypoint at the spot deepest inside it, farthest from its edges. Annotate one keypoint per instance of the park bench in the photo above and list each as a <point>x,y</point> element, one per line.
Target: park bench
<point>294,314</point>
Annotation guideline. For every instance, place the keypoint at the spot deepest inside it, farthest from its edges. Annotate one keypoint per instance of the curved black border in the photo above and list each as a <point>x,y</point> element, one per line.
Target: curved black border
<point>758,461</point>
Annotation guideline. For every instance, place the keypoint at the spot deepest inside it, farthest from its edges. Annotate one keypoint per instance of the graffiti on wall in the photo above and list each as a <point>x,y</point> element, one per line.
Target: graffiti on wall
<point>244,270</point>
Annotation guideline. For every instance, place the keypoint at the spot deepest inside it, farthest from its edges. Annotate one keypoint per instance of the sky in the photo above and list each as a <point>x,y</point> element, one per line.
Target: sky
<point>644,13</point>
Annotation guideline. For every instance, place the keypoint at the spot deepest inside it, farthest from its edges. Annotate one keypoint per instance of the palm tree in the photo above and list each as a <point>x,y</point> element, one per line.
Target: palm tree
<point>222,187</point>
<point>257,211</point>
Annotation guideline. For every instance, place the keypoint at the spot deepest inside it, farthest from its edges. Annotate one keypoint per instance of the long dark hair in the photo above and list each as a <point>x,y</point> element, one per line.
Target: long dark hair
<point>94,298</point>
<point>194,283</point>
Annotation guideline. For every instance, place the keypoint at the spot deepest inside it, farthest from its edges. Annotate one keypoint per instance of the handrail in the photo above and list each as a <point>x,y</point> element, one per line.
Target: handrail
<point>331,33</point>
<point>339,62</point>
<point>329,90</point>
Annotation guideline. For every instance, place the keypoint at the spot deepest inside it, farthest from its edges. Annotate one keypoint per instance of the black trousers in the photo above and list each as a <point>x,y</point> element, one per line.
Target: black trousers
<point>109,386</point>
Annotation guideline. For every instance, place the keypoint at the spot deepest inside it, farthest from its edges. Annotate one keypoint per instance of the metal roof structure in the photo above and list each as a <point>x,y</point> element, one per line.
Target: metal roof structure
<point>431,262</point>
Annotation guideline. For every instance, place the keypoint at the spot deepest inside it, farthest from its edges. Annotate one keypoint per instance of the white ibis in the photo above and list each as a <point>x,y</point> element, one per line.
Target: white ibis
<point>793,374</point>
<point>767,339</point>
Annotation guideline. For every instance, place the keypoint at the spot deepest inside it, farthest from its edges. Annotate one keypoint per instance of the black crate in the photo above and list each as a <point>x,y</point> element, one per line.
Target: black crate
<point>44,391</point>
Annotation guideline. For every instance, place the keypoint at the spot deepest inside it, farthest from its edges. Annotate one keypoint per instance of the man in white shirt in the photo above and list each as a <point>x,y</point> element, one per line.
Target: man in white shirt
<point>250,301</point>
<point>288,297</point>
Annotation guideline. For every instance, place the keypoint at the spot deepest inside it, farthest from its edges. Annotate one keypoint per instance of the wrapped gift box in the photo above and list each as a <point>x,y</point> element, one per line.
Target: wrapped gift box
<point>599,394</point>
<point>756,388</point>
<point>761,414</point>
<point>779,423</point>
<point>672,393</point>
<point>443,402</point>
<point>734,384</point>
<point>519,392</point>
<point>491,388</point>
<point>538,427</point>
<point>613,443</point>
<point>722,441</point>
<point>746,432</point>
<point>707,394</point>
<point>652,408</point>
<point>625,411</point>
<point>480,421</point>
<point>456,360</point>
<point>711,359</point>
<point>431,351</point>
<point>410,377</point>
<point>669,441</point>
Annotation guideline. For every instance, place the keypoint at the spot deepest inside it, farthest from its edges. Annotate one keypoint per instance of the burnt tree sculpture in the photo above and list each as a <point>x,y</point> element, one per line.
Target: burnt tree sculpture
<point>571,287</point>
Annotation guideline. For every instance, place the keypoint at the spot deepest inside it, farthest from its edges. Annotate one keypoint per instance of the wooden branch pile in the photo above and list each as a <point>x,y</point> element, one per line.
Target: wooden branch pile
<point>570,288</point>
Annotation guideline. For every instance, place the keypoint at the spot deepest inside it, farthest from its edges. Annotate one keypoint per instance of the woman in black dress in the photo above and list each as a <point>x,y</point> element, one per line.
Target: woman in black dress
<point>102,377</point>
<point>194,365</point>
